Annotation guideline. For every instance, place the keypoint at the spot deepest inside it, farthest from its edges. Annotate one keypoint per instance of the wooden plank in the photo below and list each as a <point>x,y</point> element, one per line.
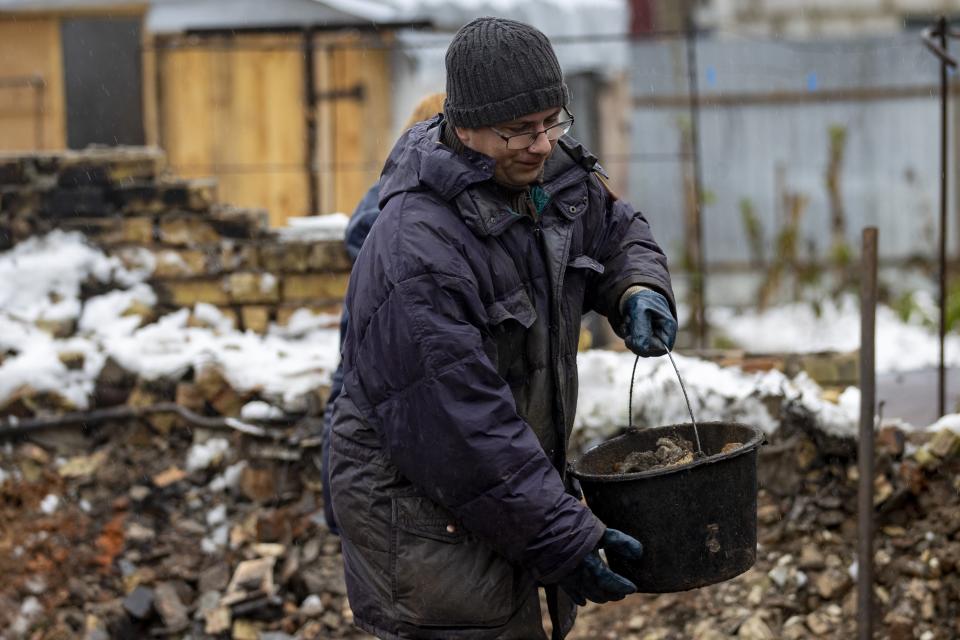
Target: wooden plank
<point>266,104</point>
<point>354,136</point>
<point>187,109</point>
<point>30,47</point>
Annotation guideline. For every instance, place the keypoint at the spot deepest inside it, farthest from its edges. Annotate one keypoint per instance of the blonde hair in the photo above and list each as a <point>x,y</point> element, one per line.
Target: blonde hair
<point>429,106</point>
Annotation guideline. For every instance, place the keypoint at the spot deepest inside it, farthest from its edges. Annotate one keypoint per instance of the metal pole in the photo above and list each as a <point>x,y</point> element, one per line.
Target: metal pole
<point>941,369</point>
<point>699,277</point>
<point>868,318</point>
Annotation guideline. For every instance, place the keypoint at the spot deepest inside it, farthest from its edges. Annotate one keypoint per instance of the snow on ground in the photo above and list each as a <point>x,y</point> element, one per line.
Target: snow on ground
<point>797,328</point>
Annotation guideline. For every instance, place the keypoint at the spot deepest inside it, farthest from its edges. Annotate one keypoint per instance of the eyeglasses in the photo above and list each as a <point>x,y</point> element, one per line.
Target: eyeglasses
<point>527,139</point>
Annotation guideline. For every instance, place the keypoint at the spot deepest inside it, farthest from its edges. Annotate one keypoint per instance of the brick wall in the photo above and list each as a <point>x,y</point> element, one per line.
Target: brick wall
<point>203,251</point>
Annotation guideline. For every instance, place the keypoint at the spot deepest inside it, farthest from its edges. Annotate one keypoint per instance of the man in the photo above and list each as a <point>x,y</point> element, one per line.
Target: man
<point>448,449</point>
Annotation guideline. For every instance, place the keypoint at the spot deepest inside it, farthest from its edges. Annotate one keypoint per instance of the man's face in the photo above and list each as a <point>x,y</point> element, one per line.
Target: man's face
<point>514,167</point>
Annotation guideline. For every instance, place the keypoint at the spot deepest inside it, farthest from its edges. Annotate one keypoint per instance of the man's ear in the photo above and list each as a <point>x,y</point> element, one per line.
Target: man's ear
<point>464,134</point>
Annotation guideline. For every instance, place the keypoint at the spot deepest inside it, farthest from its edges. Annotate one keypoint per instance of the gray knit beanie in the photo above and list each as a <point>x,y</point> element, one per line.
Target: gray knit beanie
<point>498,70</point>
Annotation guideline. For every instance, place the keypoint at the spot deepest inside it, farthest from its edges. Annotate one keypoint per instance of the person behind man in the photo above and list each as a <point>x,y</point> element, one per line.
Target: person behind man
<point>357,229</point>
<point>448,445</point>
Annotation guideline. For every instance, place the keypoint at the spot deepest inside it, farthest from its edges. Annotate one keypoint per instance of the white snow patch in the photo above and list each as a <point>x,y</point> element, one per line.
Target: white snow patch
<point>950,421</point>
<point>217,515</point>
<point>104,315</point>
<point>268,282</point>
<point>37,365</point>
<point>49,504</point>
<point>40,278</point>
<point>259,410</point>
<point>303,322</point>
<point>30,609</point>
<point>332,226</point>
<point>216,540</point>
<point>202,455</point>
<point>230,478</point>
<point>282,370</point>
<point>211,316</point>
<point>796,328</point>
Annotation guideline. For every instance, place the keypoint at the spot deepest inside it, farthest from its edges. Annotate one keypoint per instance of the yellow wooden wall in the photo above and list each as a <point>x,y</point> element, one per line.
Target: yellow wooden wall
<point>30,46</point>
<point>233,108</point>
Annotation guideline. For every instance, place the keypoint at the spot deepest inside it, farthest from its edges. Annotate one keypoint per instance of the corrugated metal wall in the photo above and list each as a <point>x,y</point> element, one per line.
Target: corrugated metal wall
<point>767,109</point>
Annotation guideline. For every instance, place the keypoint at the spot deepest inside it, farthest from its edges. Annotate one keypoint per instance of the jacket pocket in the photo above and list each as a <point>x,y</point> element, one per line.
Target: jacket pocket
<point>515,305</point>
<point>441,575</point>
<point>510,318</point>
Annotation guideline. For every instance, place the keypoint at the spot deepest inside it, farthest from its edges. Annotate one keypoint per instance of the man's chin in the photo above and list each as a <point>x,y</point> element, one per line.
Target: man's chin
<point>524,175</point>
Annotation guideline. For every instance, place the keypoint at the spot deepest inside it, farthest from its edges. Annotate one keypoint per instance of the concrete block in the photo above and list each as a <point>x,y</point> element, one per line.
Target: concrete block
<point>187,231</point>
<point>186,293</point>
<point>80,201</point>
<point>20,200</point>
<point>138,230</point>
<point>175,263</point>
<point>214,387</point>
<point>315,287</point>
<point>328,256</point>
<point>13,170</point>
<point>247,287</point>
<point>945,444</point>
<point>233,222</point>
<point>106,230</point>
<point>255,317</point>
<point>237,256</point>
<point>285,257</point>
<point>189,396</point>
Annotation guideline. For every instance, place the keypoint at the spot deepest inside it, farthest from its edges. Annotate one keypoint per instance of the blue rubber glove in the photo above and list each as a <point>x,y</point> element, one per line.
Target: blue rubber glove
<point>593,580</point>
<point>649,324</point>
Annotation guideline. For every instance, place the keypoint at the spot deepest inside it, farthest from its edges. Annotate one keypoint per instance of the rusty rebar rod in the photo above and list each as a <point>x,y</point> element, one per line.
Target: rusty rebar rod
<point>14,427</point>
<point>868,378</point>
<point>698,277</point>
<point>944,124</point>
<point>935,38</point>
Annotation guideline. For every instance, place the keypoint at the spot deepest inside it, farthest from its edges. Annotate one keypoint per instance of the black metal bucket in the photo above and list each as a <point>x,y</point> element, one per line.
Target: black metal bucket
<point>697,522</point>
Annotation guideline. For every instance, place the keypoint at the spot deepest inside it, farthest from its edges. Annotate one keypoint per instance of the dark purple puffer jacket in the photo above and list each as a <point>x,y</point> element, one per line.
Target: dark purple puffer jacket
<point>460,386</point>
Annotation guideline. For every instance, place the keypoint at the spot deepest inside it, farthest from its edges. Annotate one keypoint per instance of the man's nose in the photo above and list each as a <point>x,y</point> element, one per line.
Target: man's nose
<point>541,144</point>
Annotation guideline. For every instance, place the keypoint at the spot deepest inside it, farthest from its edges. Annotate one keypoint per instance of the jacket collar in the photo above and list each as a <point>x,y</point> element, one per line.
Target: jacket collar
<point>421,161</point>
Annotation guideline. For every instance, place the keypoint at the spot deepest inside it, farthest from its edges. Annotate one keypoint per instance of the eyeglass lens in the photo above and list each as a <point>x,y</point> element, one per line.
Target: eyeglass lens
<point>553,132</point>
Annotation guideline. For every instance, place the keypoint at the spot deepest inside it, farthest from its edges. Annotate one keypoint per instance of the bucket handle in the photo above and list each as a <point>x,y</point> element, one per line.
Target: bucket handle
<point>683,388</point>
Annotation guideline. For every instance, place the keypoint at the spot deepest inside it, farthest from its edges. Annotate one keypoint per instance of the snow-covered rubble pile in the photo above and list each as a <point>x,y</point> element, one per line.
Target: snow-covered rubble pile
<point>41,282</point>
<point>715,392</point>
<point>46,284</point>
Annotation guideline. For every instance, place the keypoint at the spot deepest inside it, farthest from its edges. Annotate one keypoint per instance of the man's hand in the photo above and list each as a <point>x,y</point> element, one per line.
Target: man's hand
<point>593,580</point>
<point>650,327</point>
